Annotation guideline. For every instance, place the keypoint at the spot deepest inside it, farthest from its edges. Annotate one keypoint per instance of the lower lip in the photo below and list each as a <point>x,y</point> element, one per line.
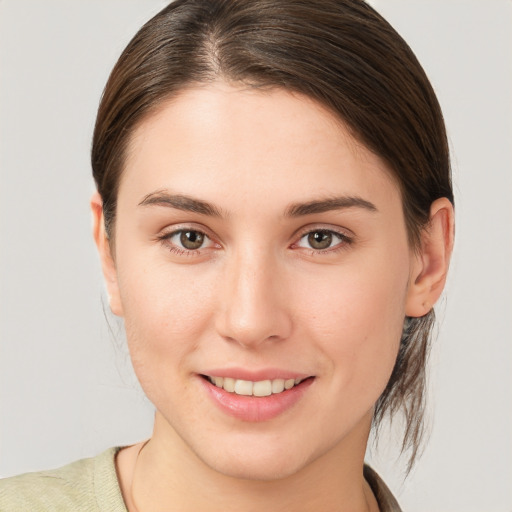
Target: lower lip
<point>252,408</point>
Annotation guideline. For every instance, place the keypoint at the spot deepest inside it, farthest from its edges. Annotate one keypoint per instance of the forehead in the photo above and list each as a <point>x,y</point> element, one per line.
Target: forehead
<point>220,138</point>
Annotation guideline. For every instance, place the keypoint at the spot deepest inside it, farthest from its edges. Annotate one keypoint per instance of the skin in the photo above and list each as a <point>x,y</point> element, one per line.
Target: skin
<point>256,295</point>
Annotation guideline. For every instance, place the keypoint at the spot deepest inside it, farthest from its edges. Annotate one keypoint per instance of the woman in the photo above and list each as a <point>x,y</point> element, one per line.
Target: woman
<point>274,219</point>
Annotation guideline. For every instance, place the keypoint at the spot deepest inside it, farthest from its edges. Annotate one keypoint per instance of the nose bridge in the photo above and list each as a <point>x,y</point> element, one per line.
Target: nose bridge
<point>252,309</point>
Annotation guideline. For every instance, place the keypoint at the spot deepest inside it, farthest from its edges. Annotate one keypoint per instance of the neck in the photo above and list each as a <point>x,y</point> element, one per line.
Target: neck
<point>167,475</point>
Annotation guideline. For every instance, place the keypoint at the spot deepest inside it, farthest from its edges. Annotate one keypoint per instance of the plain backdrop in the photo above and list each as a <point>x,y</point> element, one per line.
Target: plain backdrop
<point>66,387</point>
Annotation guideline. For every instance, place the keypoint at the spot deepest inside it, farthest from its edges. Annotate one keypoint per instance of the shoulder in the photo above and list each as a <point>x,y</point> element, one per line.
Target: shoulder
<point>87,485</point>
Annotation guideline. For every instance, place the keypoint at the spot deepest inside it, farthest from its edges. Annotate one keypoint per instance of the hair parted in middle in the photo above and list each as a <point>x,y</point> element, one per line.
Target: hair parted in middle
<point>340,53</point>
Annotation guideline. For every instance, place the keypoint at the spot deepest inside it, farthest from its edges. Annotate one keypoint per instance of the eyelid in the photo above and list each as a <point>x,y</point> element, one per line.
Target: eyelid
<point>186,226</point>
<point>311,228</point>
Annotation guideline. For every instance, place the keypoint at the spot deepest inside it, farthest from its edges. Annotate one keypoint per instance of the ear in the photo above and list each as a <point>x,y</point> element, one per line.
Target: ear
<point>431,264</point>
<point>104,249</point>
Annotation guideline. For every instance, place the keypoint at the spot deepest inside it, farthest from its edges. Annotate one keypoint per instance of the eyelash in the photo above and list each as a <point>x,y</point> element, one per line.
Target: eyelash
<point>345,241</point>
<point>165,239</point>
<point>343,244</point>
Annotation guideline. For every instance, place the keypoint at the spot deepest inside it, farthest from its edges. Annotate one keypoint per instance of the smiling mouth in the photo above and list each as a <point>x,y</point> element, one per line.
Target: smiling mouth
<point>250,388</point>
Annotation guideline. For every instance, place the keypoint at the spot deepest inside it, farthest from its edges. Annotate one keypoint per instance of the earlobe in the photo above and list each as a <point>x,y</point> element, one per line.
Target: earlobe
<point>105,254</point>
<point>429,272</point>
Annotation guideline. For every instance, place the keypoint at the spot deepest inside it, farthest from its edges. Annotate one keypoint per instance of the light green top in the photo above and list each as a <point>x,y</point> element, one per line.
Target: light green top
<point>91,485</point>
<point>87,485</point>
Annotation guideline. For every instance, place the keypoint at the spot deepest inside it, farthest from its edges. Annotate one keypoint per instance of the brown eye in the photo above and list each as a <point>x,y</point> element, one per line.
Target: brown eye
<point>320,239</point>
<point>191,240</point>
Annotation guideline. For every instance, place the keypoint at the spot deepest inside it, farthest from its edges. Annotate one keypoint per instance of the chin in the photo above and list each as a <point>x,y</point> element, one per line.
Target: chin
<point>266,468</point>
<point>260,457</point>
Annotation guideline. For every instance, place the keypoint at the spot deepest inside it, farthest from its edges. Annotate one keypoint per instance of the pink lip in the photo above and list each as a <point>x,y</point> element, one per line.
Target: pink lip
<point>252,408</point>
<point>254,375</point>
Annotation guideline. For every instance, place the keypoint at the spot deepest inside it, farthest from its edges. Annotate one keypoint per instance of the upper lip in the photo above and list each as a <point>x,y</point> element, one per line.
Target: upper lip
<point>255,375</point>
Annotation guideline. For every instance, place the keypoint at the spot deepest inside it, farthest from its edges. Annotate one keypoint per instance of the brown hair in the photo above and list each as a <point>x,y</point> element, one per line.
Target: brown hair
<point>342,54</point>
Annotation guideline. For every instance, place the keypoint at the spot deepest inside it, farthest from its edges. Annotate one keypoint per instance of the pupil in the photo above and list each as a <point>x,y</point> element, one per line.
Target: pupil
<point>320,240</point>
<point>191,239</point>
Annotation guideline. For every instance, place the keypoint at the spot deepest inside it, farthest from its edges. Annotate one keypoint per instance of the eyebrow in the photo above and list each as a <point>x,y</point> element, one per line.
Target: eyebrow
<point>190,204</point>
<point>180,202</point>
<point>326,205</point>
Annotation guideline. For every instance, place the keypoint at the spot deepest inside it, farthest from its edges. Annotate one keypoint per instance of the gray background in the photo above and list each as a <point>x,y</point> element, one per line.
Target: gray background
<point>66,387</point>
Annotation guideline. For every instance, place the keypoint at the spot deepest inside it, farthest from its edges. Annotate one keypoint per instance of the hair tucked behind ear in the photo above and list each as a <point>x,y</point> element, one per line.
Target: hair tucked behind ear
<point>342,54</point>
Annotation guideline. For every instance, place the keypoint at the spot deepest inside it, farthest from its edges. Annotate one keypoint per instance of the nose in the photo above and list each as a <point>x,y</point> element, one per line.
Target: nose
<point>253,307</point>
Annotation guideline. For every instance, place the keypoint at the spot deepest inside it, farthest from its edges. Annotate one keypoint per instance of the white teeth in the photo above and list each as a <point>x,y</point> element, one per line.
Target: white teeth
<point>278,386</point>
<point>262,388</point>
<point>288,384</point>
<point>243,387</point>
<point>229,384</point>
<point>249,388</point>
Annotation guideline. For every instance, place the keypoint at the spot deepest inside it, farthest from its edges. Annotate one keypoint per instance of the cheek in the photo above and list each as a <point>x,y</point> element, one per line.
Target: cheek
<point>166,312</point>
<point>356,318</point>
<point>158,295</point>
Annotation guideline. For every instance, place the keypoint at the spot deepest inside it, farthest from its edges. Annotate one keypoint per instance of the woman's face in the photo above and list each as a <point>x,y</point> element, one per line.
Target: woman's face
<point>257,241</point>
